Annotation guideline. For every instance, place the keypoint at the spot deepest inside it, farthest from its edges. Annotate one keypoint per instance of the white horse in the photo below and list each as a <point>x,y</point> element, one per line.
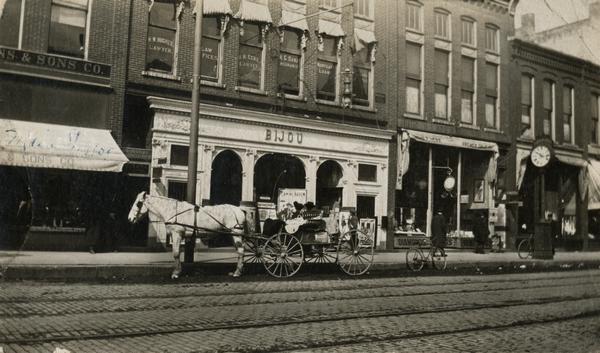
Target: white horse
<point>181,218</point>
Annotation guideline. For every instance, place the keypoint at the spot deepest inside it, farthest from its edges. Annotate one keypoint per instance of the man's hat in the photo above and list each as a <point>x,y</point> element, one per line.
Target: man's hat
<point>298,205</point>
<point>309,205</point>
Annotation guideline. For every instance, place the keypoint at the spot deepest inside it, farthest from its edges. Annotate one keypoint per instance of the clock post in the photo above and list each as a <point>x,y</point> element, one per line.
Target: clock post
<point>542,154</point>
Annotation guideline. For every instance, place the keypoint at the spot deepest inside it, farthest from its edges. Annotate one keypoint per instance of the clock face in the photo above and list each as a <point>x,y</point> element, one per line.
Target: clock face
<point>540,156</point>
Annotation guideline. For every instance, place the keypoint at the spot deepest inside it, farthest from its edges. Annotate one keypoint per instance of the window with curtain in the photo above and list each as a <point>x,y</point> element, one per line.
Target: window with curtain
<point>361,81</point>
<point>491,96</point>
<point>468,90</point>
<point>327,77</point>
<point>10,23</point>
<point>568,113</point>
<point>413,17</point>
<point>162,37</point>
<point>442,24</point>
<point>250,60</point>
<point>290,62</point>
<point>491,39</point>
<point>68,26</point>
<point>595,105</point>
<point>526,106</point>
<point>413,78</point>
<point>547,108</point>
<point>442,84</point>
<point>468,31</point>
<point>211,49</point>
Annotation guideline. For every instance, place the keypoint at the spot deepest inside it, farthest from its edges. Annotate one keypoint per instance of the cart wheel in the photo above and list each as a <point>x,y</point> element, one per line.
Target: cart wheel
<point>438,258</point>
<point>253,250</point>
<point>355,252</point>
<point>283,255</point>
<point>415,259</point>
<point>321,254</point>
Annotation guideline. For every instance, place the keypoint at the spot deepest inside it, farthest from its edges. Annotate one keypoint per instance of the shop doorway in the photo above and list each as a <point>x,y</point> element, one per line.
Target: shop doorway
<point>444,168</point>
<point>276,171</point>
<point>329,188</point>
<point>226,179</point>
<point>16,207</point>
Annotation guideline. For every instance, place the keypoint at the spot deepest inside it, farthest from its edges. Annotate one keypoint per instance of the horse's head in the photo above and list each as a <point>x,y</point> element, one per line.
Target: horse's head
<point>138,209</point>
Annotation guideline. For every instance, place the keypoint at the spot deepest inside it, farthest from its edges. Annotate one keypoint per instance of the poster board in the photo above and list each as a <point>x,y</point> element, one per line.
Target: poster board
<point>369,227</point>
<point>289,196</point>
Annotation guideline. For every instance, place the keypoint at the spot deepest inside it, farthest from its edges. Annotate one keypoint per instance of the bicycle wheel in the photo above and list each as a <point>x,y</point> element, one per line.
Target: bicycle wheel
<point>524,249</point>
<point>438,258</point>
<point>415,260</point>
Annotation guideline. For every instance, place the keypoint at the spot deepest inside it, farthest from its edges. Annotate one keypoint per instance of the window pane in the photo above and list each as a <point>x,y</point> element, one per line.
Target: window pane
<point>413,59</point>
<point>547,122</point>
<point>9,23</point>
<point>163,14</point>
<point>367,172</point>
<point>567,133</point>
<point>441,67</point>
<point>67,31</point>
<point>210,59</point>
<point>326,80</point>
<point>291,40</point>
<point>547,95</point>
<point>594,104</point>
<point>526,90</point>
<point>413,18</point>
<point>250,66</point>
<point>466,107</point>
<point>467,32</point>
<point>360,84</point>
<point>329,46</point>
<point>288,75</point>
<point>491,77</point>
<point>441,24</point>
<point>179,155</point>
<point>441,101</point>
<point>490,112</point>
<point>161,49</point>
<point>413,95</point>
<point>567,102</point>
<point>211,26</point>
<point>468,71</point>
<point>491,39</point>
<point>177,190</point>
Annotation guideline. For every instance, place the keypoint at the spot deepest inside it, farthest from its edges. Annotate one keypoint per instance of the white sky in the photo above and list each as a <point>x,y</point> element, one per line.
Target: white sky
<point>545,18</point>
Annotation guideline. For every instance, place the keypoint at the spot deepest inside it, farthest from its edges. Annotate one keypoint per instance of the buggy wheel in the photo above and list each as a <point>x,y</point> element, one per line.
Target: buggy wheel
<point>438,258</point>
<point>415,259</point>
<point>253,250</point>
<point>283,255</point>
<point>525,249</point>
<point>355,252</point>
<point>320,254</point>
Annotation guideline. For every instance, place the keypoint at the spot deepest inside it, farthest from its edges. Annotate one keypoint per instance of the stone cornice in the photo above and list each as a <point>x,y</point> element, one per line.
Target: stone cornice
<point>224,113</point>
<point>499,6</point>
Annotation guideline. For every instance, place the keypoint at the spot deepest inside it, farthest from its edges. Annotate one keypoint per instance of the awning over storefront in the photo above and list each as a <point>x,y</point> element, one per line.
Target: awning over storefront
<point>214,7</point>
<point>593,181</point>
<point>363,38</point>
<point>329,28</point>
<point>251,11</point>
<point>575,161</point>
<point>2,4</point>
<point>39,145</point>
<point>437,139</point>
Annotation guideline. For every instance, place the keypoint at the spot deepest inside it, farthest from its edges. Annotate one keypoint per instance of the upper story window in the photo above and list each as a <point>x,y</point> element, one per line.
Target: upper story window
<point>491,96</point>
<point>568,115</point>
<point>414,17</point>
<point>179,155</point>
<point>527,106</point>
<point>367,172</point>
<point>251,63</point>
<point>595,105</point>
<point>327,69</point>
<point>442,24</point>
<point>491,38</point>
<point>442,84</point>
<point>68,27</point>
<point>363,8</point>
<point>548,125</point>
<point>162,37</point>
<point>467,90</point>
<point>212,49</point>
<point>290,62</point>
<point>10,23</point>
<point>413,78</point>
<point>362,81</point>
<point>328,3</point>
<point>468,35</point>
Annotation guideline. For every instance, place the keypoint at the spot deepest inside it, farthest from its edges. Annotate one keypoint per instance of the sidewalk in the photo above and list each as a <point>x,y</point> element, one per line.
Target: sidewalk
<point>36,265</point>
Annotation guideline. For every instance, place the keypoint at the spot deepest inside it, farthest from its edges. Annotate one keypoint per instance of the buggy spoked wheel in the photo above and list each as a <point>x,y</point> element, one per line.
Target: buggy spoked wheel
<point>355,252</point>
<point>253,250</point>
<point>438,259</point>
<point>415,259</point>
<point>525,249</point>
<point>320,255</point>
<point>283,255</point>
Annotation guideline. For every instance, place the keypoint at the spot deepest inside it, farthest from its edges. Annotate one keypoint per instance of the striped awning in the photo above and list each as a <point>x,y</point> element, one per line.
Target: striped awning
<point>251,11</point>
<point>363,39</point>
<point>293,20</point>
<point>593,181</point>
<point>329,28</point>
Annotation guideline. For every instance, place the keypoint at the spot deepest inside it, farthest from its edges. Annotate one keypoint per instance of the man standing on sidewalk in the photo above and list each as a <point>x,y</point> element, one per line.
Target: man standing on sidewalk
<point>481,232</point>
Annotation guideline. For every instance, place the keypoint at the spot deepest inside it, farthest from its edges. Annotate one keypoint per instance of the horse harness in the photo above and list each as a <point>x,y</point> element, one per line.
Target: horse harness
<point>195,227</point>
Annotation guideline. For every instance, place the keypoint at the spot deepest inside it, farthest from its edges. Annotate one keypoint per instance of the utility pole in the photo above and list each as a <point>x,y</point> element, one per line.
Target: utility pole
<point>188,256</point>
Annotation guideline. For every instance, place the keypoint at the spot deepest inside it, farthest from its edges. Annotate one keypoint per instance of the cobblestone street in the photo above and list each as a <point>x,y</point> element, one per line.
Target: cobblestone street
<point>535,312</point>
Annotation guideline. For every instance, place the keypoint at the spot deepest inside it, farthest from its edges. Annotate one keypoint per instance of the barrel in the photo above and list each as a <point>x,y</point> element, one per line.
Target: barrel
<point>251,210</point>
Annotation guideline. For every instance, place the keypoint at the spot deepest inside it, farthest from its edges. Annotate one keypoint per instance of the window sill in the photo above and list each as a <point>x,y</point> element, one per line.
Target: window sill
<point>213,84</point>
<point>293,97</point>
<point>496,131</point>
<point>414,116</point>
<point>570,146</point>
<point>443,121</point>
<point>443,39</point>
<point>525,139</point>
<point>469,126</point>
<point>415,31</point>
<point>367,183</point>
<point>251,90</point>
<point>364,108</point>
<point>330,103</point>
<point>161,75</point>
<point>363,17</point>
<point>491,52</point>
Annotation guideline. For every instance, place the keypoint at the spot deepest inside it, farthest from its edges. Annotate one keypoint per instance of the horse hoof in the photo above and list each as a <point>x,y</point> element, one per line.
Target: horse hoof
<point>174,276</point>
<point>235,274</point>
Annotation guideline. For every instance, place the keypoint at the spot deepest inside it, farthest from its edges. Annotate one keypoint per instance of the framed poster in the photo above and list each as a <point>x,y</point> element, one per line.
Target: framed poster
<point>479,191</point>
<point>369,227</point>
<point>289,196</point>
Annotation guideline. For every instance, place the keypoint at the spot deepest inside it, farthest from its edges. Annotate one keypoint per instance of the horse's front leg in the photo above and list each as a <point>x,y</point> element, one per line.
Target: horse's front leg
<point>239,246</point>
<point>177,236</point>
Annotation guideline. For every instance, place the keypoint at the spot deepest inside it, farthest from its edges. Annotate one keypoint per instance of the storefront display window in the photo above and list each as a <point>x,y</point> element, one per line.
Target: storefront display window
<point>162,36</point>
<point>68,25</point>
<point>250,60</point>
<point>10,23</point>
<point>411,201</point>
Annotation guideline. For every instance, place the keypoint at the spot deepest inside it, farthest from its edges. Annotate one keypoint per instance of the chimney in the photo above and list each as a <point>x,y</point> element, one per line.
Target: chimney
<point>527,28</point>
